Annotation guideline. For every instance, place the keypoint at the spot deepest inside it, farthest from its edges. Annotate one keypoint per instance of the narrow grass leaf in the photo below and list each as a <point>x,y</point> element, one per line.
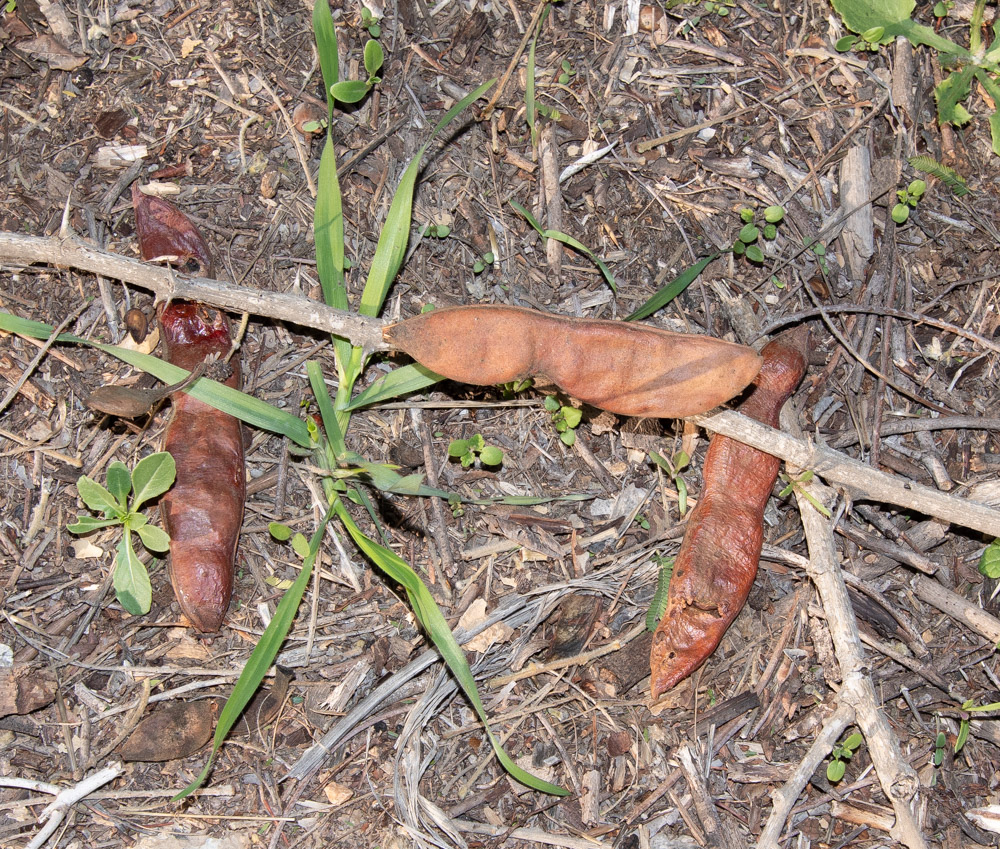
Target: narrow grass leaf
<point>401,381</point>
<point>245,407</point>
<point>153,476</point>
<point>672,289</point>
<point>325,34</point>
<point>577,245</point>
<point>434,623</point>
<point>262,657</point>
<point>391,249</point>
<point>528,217</point>
<point>326,411</point>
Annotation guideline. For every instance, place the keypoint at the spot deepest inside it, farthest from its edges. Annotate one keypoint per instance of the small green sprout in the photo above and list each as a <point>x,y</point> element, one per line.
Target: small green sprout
<point>514,387</point>
<point>353,91</point>
<point>989,562</point>
<point>719,7</point>
<point>437,231</point>
<point>370,22</point>
<point>673,467</point>
<point>942,8</point>
<point>745,244</point>
<point>798,485</point>
<point>152,476</point>
<point>841,754</point>
<point>566,419</point>
<point>466,451</point>
<point>908,199</point>
<point>480,265</point>
<point>566,72</point>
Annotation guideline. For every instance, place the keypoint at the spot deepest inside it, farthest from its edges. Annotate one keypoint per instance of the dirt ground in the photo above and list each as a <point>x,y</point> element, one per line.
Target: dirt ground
<point>706,114</point>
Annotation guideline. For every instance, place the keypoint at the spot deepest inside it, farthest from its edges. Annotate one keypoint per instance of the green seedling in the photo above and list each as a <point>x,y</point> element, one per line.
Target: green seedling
<point>798,485</point>
<point>719,8</point>
<point>658,604</point>
<point>908,199</point>
<point>970,707</point>
<point>566,72</point>
<point>841,754</point>
<point>481,264</point>
<point>436,231</point>
<point>514,387</point>
<point>467,450</point>
<point>673,467</point>
<point>152,476</point>
<point>880,23</point>
<point>370,22</point>
<point>353,91</point>
<point>746,242</point>
<point>942,8</point>
<point>989,562</point>
<point>565,418</point>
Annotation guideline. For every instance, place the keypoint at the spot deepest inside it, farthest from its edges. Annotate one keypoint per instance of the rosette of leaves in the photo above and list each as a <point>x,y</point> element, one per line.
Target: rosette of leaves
<point>152,476</point>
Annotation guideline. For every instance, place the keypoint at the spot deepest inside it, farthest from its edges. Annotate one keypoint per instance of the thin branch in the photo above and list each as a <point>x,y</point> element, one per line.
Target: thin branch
<point>168,285</point>
<point>863,482</point>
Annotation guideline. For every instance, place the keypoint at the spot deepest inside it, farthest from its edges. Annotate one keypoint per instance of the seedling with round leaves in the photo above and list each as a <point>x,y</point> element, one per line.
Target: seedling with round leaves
<point>908,199</point>
<point>841,754</point>
<point>746,242</point>
<point>466,451</point>
<point>370,22</point>
<point>483,262</point>
<point>565,418</point>
<point>151,477</point>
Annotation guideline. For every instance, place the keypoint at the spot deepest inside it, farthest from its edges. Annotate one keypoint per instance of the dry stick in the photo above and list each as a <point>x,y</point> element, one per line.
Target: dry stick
<point>862,481</point>
<point>367,332</point>
<point>304,312</point>
<point>969,614</point>
<point>897,777</point>
<point>785,798</point>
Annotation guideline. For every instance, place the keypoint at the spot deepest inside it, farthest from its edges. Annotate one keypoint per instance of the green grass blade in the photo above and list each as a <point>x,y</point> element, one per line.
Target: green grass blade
<point>326,411</point>
<point>672,289</point>
<point>433,621</point>
<point>326,46</point>
<point>577,245</point>
<point>395,233</point>
<point>262,656</point>
<point>528,217</point>
<point>402,381</point>
<point>245,407</point>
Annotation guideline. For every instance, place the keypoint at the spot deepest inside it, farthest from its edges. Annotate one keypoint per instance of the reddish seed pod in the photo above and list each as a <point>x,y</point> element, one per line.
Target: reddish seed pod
<point>631,369</point>
<point>203,511</point>
<point>717,562</point>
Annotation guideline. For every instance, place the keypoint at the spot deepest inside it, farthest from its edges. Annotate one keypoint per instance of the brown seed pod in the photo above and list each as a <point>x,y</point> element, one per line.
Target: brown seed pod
<point>631,369</point>
<point>717,562</point>
<point>203,510</point>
